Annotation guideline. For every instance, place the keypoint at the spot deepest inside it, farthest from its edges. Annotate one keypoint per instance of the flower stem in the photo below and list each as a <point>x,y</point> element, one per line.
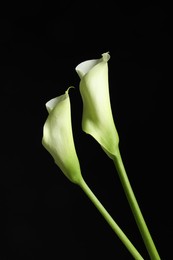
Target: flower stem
<point>110,221</point>
<point>148,241</point>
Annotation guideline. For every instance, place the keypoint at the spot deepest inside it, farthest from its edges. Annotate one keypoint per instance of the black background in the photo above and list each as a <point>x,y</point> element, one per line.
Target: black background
<point>44,216</point>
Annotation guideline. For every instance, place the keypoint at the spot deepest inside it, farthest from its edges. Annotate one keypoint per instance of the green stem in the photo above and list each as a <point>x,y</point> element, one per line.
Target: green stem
<point>110,221</point>
<point>148,241</point>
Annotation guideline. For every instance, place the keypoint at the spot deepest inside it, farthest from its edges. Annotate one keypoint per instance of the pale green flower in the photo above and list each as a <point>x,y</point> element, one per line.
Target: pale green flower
<point>97,119</point>
<point>58,137</point>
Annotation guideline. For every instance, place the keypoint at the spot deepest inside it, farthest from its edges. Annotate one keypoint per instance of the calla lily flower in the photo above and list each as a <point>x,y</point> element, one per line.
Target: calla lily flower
<point>97,118</point>
<point>58,137</point>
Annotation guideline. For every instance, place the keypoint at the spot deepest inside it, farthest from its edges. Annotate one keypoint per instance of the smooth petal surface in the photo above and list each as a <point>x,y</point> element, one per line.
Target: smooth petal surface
<point>97,119</point>
<point>58,137</point>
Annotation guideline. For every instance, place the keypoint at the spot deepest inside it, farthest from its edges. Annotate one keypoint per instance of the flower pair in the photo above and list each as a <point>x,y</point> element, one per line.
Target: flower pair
<point>97,119</point>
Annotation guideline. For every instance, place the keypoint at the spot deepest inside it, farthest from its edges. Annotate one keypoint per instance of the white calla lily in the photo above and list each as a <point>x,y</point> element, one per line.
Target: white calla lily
<point>97,119</point>
<point>58,137</point>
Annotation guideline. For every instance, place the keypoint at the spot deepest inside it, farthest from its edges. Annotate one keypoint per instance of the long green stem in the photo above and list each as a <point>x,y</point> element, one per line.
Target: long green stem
<point>110,221</point>
<point>148,241</point>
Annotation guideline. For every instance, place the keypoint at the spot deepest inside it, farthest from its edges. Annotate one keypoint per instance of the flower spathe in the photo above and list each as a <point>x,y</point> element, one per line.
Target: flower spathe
<point>58,137</point>
<point>97,118</point>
